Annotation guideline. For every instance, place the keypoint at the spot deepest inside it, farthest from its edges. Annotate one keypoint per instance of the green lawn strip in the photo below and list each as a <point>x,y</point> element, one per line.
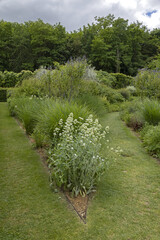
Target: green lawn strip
<point>29,210</point>
<point>126,205</point>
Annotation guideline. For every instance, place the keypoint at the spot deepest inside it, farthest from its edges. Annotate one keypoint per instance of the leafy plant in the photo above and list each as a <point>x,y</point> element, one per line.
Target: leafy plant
<point>131,113</point>
<point>151,111</point>
<point>75,162</point>
<point>122,80</point>
<point>151,139</point>
<point>105,78</point>
<point>147,83</point>
<point>96,104</point>
<point>125,93</point>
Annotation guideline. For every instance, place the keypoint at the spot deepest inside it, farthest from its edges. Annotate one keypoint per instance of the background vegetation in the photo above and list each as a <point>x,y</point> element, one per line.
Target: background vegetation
<point>110,44</point>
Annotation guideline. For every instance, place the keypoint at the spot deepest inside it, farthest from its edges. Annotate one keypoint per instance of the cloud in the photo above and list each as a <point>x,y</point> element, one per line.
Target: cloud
<point>73,14</point>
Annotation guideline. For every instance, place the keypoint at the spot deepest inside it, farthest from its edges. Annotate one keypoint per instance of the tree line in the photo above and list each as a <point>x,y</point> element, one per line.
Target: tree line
<point>109,44</point>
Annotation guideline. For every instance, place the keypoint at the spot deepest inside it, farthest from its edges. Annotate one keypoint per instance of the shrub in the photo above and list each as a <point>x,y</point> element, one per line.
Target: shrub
<point>122,80</point>
<point>131,113</point>
<point>32,87</point>
<point>24,74</point>
<point>75,162</point>
<point>147,83</point>
<point>151,139</point>
<point>125,93</point>
<point>8,79</point>
<point>135,121</point>
<point>132,90</point>
<point>105,78</point>
<point>3,94</point>
<point>98,89</point>
<point>151,111</point>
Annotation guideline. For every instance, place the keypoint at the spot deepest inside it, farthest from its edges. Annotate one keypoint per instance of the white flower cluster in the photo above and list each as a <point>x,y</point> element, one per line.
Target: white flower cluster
<point>76,157</point>
<point>89,130</point>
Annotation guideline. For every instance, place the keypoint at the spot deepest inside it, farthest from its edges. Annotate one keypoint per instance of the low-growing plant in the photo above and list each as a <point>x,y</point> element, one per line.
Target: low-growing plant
<point>75,162</point>
<point>132,90</point>
<point>52,111</point>
<point>26,110</point>
<point>147,83</point>
<point>151,139</point>
<point>3,94</point>
<point>95,88</point>
<point>135,120</point>
<point>96,104</point>
<point>131,113</point>
<point>151,111</point>
<point>125,93</point>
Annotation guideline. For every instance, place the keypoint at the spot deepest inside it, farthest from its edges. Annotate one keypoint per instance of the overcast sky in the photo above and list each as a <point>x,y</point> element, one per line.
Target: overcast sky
<point>73,14</point>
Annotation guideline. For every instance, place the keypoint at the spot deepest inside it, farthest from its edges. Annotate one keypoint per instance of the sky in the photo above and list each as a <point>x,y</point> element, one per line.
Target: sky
<point>73,14</point>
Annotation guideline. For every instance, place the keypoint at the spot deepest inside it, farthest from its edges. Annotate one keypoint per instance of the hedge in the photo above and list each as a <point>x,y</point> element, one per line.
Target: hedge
<point>5,92</point>
<point>122,80</point>
<point>10,79</point>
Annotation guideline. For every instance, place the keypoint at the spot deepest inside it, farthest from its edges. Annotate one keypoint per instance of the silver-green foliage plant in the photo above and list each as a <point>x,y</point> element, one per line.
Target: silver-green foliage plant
<point>75,162</point>
<point>65,82</point>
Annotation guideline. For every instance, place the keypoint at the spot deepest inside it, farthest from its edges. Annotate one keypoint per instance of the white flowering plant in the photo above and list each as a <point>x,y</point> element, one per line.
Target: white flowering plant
<point>75,162</point>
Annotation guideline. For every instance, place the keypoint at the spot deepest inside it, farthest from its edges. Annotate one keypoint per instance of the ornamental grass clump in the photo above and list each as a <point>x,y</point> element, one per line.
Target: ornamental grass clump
<point>151,111</point>
<point>75,162</point>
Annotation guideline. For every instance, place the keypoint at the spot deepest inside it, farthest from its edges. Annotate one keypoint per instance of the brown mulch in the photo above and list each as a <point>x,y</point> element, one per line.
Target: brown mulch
<point>79,204</point>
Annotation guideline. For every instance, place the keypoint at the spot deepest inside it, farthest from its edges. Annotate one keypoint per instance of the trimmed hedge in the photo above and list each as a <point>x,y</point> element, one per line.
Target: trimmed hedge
<point>122,80</point>
<point>5,93</point>
<point>10,79</point>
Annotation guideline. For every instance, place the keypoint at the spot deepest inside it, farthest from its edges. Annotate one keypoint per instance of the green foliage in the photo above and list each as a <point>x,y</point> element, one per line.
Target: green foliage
<point>96,104</point>
<point>3,94</point>
<point>105,78</point>
<point>24,74</point>
<point>135,120</point>
<point>147,83</point>
<point>67,81</point>
<point>63,82</point>
<point>26,110</point>
<point>151,111</point>
<point>151,139</point>
<point>137,113</point>
<point>125,93</point>
<point>75,162</point>
<point>102,90</point>
<point>33,87</point>
<point>121,80</point>
<point>131,113</point>
<point>52,111</point>
<point>155,63</point>
<point>132,90</point>
<point>6,93</point>
<point>110,44</point>
<point>10,79</point>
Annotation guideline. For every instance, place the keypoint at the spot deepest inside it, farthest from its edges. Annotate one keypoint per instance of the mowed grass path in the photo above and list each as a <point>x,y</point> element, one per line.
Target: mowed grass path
<point>125,207</point>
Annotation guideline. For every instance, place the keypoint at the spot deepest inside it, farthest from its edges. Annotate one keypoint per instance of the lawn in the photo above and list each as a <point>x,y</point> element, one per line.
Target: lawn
<point>126,205</point>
